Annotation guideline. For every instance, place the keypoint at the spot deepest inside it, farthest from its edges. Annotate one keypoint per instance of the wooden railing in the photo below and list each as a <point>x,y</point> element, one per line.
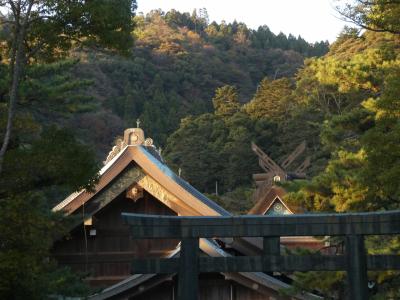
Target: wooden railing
<point>189,229</point>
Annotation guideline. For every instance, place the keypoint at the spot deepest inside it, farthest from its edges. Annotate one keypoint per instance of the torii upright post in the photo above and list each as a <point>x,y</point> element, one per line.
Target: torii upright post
<point>188,269</point>
<point>356,262</point>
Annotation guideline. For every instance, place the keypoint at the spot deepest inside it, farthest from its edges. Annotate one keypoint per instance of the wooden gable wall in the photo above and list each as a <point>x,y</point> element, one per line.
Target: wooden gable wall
<point>107,256</point>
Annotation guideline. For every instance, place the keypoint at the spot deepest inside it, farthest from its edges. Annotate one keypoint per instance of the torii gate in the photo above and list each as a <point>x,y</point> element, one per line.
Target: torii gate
<point>189,230</point>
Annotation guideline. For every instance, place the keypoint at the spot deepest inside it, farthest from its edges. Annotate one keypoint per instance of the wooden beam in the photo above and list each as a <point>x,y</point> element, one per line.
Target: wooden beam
<point>261,176</point>
<point>271,263</point>
<point>246,264</point>
<point>106,257</point>
<point>383,262</point>
<point>151,226</point>
<point>265,162</point>
<point>304,165</point>
<point>292,157</point>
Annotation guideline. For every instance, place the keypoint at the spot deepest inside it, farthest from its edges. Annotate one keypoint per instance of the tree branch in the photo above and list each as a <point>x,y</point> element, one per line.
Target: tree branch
<point>14,9</point>
<point>33,20</point>
<point>348,14</point>
<point>388,2</point>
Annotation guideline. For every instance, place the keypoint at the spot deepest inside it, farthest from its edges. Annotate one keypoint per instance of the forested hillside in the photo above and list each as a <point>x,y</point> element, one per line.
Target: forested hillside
<point>41,160</point>
<point>203,91</point>
<point>313,105</point>
<point>178,61</point>
<point>345,105</point>
<point>69,86</point>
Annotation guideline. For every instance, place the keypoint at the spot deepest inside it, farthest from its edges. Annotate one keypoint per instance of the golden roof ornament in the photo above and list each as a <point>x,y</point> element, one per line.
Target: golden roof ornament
<point>148,142</point>
<point>134,192</point>
<point>120,144</point>
<point>132,137</point>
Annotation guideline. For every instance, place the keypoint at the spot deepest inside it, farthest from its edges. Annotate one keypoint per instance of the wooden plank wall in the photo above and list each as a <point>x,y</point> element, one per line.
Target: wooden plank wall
<point>109,254</point>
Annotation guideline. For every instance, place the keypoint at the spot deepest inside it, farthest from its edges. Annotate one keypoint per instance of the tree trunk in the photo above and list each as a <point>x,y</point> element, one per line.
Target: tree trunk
<point>13,94</point>
<point>17,62</point>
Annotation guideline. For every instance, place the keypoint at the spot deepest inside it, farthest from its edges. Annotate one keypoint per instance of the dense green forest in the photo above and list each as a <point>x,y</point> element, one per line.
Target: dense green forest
<point>203,91</point>
<point>345,105</point>
<point>178,61</point>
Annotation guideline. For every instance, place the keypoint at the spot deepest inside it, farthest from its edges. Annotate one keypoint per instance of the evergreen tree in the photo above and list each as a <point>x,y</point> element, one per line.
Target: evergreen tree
<point>44,30</point>
<point>226,101</point>
<point>375,15</point>
<point>272,100</point>
<point>36,175</point>
<point>360,175</point>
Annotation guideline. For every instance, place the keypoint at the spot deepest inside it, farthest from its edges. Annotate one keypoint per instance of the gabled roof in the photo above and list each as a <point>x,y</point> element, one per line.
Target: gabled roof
<point>140,163</point>
<point>151,166</point>
<point>265,202</point>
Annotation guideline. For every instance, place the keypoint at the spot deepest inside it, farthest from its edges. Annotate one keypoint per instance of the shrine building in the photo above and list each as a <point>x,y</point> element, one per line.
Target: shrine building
<point>135,179</point>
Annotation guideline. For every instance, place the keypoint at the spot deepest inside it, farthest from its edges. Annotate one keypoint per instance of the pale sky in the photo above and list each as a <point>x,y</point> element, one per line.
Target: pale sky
<point>314,20</point>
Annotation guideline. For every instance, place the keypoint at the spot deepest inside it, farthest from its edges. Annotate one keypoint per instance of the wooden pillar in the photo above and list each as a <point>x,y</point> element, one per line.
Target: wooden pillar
<point>188,277</point>
<point>356,261</point>
<point>271,250</point>
<point>271,245</point>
